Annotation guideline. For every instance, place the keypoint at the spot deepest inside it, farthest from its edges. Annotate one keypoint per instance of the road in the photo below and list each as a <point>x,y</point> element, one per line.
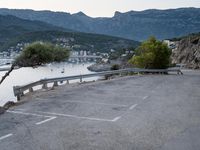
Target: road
<point>151,112</point>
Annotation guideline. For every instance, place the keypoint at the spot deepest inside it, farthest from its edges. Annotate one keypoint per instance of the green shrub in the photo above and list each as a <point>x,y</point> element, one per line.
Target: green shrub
<point>152,54</point>
<point>36,54</point>
<point>41,53</point>
<point>115,67</point>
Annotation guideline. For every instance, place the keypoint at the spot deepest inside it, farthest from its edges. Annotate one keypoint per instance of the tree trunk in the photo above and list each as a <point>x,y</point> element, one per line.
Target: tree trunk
<point>7,74</point>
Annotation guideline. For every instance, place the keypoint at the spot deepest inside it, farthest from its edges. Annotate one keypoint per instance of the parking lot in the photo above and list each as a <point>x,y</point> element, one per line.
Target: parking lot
<point>137,112</point>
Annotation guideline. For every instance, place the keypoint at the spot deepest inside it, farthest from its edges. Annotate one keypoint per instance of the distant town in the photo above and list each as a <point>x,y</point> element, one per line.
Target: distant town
<point>76,55</point>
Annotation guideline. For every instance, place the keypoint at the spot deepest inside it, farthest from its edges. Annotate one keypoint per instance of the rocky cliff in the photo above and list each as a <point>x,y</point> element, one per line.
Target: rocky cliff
<point>188,51</point>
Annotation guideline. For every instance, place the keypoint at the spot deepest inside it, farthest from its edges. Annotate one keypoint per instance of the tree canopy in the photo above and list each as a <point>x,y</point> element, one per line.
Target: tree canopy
<point>151,54</point>
<point>38,53</point>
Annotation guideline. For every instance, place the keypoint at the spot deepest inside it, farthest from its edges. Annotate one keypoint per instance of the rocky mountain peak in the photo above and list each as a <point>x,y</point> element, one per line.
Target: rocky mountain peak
<point>80,14</point>
<point>117,13</point>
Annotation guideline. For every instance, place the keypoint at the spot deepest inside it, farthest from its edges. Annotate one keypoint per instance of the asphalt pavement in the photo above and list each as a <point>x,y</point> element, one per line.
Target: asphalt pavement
<point>146,112</point>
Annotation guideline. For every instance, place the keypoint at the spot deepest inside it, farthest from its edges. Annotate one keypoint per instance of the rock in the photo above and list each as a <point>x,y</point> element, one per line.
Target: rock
<point>9,104</point>
<point>188,52</point>
<point>100,67</point>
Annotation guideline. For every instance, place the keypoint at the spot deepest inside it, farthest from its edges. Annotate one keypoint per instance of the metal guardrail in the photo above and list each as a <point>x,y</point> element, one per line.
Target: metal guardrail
<point>7,68</point>
<point>19,90</point>
<point>4,69</point>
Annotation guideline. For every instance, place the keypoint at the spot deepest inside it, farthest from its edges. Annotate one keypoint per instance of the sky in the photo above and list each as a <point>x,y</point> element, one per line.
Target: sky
<point>97,8</point>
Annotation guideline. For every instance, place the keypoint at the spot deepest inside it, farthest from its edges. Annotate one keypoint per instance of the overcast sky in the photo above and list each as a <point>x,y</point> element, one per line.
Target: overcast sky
<point>97,8</point>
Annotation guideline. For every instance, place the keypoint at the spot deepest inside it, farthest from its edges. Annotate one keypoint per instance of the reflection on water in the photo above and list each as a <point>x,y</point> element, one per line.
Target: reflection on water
<point>27,75</point>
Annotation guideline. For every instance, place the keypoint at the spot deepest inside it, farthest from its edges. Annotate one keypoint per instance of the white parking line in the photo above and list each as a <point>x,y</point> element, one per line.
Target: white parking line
<point>6,136</point>
<point>78,117</point>
<point>52,115</point>
<point>116,118</point>
<point>44,121</point>
<point>145,97</point>
<point>132,107</point>
<point>24,113</point>
<point>127,111</point>
<point>33,114</point>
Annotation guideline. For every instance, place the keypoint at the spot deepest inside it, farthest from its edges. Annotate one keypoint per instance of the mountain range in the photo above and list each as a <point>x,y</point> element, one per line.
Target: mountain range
<point>14,30</point>
<point>11,26</point>
<point>135,25</point>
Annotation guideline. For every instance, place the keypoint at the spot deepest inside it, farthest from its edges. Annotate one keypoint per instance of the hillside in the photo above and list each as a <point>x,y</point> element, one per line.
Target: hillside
<point>75,40</point>
<point>14,30</point>
<point>137,25</point>
<point>188,51</point>
<point>11,26</point>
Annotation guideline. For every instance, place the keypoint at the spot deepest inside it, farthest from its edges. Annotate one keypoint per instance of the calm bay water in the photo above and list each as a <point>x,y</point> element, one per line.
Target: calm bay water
<point>27,75</point>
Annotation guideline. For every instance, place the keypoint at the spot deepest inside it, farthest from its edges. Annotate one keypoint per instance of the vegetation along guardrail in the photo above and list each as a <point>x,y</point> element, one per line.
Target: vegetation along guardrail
<point>19,90</point>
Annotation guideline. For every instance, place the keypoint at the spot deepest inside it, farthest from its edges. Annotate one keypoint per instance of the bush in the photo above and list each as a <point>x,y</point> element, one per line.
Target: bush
<point>41,53</point>
<point>152,54</point>
<point>36,54</point>
<point>115,67</point>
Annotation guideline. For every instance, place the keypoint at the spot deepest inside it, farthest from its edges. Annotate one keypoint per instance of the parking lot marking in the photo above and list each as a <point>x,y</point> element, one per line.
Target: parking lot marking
<point>31,114</point>
<point>116,118</point>
<point>5,136</point>
<point>44,121</point>
<point>132,107</point>
<point>126,112</point>
<point>78,117</point>
<point>145,97</point>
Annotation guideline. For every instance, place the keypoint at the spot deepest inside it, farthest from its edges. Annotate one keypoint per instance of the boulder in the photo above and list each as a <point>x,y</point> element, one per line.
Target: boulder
<point>100,67</point>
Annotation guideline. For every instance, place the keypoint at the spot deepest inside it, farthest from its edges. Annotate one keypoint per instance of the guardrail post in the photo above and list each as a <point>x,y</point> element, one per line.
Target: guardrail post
<point>179,72</point>
<point>30,89</point>
<point>17,92</point>
<point>81,79</point>
<point>18,97</point>
<point>44,86</point>
<point>67,81</point>
<point>55,83</point>
<point>22,93</point>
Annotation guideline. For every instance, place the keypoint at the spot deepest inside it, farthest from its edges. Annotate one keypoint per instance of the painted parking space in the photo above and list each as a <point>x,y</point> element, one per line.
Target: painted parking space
<point>82,109</point>
<point>12,121</point>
